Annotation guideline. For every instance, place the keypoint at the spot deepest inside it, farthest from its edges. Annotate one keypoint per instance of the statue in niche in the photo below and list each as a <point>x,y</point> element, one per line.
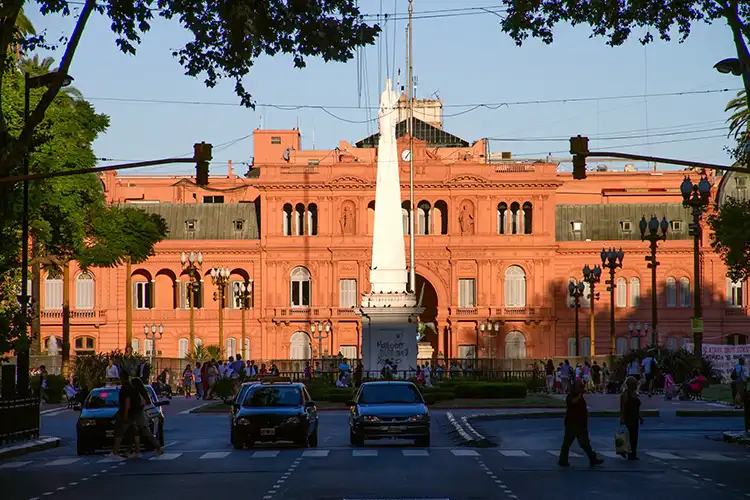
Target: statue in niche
<point>466,221</point>
<point>53,346</point>
<point>347,220</point>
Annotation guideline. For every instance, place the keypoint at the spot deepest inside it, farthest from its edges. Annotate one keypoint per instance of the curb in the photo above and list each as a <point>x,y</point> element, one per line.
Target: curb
<point>737,437</point>
<point>24,448</point>
<point>710,413</point>
<point>191,410</point>
<point>552,414</point>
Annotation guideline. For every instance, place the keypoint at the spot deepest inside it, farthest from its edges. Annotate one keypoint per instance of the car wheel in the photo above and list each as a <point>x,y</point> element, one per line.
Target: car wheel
<point>312,440</point>
<point>423,442</point>
<point>82,448</point>
<point>355,440</point>
<point>237,444</point>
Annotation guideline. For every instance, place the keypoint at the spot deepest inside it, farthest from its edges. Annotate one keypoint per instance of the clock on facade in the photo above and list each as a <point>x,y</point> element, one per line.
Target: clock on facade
<point>406,155</point>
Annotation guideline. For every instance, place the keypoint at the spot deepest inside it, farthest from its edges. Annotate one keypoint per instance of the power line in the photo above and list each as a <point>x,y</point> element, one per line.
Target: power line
<point>622,146</point>
<point>607,138</point>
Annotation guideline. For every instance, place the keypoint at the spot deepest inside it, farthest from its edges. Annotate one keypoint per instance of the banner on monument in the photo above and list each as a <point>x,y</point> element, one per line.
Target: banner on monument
<point>723,357</point>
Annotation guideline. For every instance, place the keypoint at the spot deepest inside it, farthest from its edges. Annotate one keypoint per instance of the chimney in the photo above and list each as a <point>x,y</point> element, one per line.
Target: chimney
<point>230,171</point>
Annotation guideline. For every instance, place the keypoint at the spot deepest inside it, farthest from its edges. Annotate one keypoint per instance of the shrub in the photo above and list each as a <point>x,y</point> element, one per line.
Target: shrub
<point>224,388</point>
<point>490,390</point>
<point>680,363</point>
<point>436,395</point>
<point>91,369</point>
<point>339,395</point>
<point>55,386</point>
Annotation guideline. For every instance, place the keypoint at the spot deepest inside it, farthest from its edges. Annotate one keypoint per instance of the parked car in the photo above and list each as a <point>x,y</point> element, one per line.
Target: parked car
<point>273,412</point>
<point>95,429</point>
<point>236,405</point>
<point>389,410</point>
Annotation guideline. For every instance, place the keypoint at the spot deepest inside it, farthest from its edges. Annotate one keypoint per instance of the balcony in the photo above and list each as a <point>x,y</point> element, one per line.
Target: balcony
<point>347,312</point>
<point>77,317</point>
<point>735,312</point>
<point>467,311</point>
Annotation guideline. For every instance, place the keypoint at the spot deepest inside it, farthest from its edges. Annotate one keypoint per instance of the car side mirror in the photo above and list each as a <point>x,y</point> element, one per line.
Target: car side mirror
<point>161,403</point>
<point>350,403</point>
<point>310,404</point>
<point>77,407</point>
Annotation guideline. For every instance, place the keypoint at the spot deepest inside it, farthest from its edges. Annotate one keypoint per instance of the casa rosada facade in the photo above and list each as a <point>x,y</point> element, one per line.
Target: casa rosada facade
<point>497,240</point>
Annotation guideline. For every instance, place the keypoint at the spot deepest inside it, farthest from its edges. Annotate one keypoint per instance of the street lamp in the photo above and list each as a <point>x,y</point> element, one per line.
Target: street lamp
<point>320,331</point>
<point>33,82</point>
<point>638,331</point>
<point>490,330</point>
<point>650,231</point>
<point>612,260</point>
<point>696,197</point>
<point>592,276</point>
<point>220,278</point>
<point>244,295</point>
<point>576,292</point>
<point>730,65</point>
<point>153,332</point>
<point>191,265</point>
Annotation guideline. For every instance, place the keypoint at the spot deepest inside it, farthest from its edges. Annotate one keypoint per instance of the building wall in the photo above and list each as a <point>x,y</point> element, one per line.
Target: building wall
<point>335,191</point>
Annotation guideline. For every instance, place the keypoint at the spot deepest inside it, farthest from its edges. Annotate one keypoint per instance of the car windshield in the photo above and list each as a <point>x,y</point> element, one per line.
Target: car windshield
<point>389,393</point>
<point>103,398</point>
<point>273,396</point>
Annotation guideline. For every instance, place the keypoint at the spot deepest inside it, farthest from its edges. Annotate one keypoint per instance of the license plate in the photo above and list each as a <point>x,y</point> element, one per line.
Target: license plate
<point>110,434</point>
<point>396,428</point>
<point>268,432</point>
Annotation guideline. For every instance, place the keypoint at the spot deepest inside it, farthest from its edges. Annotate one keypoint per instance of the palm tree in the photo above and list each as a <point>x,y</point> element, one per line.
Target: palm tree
<point>35,66</point>
<point>24,28</point>
<point>738,122</point>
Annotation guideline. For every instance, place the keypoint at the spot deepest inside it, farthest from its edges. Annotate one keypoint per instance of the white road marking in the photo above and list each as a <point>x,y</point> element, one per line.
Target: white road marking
<point>717,457</point>
<point>415,453</point>
<point>465,453</point>
<point>514,453</point>
<point>214,455</point>
<point>13,465</point>
<point>63,461</point>
<point>364,453</point>
<point>166,456</point>
<point>570,454</point>
<point>316,453</point>
<point>663,455</point>
<point>266,454</point>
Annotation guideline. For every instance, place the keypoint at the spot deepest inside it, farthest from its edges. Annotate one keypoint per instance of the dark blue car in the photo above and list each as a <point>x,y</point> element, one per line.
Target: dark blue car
<point>389,410</point>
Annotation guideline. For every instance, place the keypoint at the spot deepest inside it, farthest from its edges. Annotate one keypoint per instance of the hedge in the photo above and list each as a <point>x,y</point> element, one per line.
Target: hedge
<point>432,395</point>
<point>490,390</point>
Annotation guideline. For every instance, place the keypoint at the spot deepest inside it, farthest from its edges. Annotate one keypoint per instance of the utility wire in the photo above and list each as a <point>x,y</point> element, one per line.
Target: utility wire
<point>607,138</point>
<point>622,146</point>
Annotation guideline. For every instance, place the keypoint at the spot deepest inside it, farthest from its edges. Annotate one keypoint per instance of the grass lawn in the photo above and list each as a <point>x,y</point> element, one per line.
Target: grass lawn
<point>718,392</point>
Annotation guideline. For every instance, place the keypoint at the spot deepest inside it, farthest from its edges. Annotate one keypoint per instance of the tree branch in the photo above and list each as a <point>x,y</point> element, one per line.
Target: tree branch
<point>733,19</point>
<point>9,15</point>
<point>21,145</point>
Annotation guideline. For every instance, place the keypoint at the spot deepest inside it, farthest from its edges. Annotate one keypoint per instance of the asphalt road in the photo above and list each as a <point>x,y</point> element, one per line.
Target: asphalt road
<point>199,461</point>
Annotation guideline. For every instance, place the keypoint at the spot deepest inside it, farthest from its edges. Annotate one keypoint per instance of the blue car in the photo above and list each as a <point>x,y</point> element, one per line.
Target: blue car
<point>389,410</point>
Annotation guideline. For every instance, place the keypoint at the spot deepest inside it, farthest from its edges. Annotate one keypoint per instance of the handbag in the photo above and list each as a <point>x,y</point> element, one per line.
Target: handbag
<point>622,441</point>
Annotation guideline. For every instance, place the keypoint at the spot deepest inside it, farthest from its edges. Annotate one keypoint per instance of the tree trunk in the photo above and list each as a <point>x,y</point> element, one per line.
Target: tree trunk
<point>66,321</point>
<point>37,344</point>
<point>128,303</point>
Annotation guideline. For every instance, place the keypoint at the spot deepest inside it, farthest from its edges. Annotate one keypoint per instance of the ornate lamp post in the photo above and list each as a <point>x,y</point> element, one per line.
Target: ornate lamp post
<point>650,232</point>
<point>153,332</point>
<point>696,196</point>
<point>612,260</point>
<point>245,294</point>
<point>592,276</point>
<point>220,278</point>
<point>638,331</point>
<point>320,331</point>
<point>191,264</point>
<point>490,330</point>
<point>576,292</point>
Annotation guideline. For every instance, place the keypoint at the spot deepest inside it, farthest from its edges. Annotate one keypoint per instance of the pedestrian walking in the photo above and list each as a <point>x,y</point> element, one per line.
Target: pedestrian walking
<point>630,414</point>
<point>125,417</point>
<point>577,427</point>
<point>739,383</point>
<point>549,370</point>
<point>187,381</point>
<point>565,371</point>
<point>198,380</point>
<point>141,420</point>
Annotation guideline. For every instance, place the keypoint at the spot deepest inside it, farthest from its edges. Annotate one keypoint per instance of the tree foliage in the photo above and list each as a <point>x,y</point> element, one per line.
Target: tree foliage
<point>227,38</point>
<point>731,237</point>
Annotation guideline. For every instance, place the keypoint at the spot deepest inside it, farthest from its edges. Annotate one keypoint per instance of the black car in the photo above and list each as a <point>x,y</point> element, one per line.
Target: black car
<point>389,410</point>
<point>95,428</point>
<point>236,405</point>
<point>272,412</point>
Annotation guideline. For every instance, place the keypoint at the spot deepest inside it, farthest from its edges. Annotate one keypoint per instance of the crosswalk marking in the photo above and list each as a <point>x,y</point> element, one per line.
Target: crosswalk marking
<point>664,455</point>
<point>13,465</point>
<point>109,460</point>
<point>465,453</point>
<point>514,453</point>
<point>316,453</point>
<point>716,457</point>
<point>415,453</point>
<point>266,454</point>
<point>609,454</point>
<point>63,461</point>
<point>214,454</point>
<point>364,453</point>
<point>166,456</point>
<point>571,454</point>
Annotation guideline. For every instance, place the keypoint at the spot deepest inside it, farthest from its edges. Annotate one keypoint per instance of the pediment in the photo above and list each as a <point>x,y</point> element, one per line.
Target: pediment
<point>466,179</point>
<point>348,179</point>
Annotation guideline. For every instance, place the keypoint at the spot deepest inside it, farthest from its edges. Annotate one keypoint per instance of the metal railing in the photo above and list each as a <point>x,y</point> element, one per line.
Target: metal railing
<point>19,420</point>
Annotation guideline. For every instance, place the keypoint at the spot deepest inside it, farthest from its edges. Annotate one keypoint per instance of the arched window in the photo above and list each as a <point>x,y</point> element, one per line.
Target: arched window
<point>622,292</point>
<point>370,217</point>
<point>515,218</point>
<point>300,287</point>
<point>405,221</point>
<point>685,295</point>
<point>299,346</point>
<point>635,292</point>
<point>527,218</point>
<point>440,217</point>
<point>135,344</point>
<point>635,343</point>
<point>424,217</point>
<point>53,292</point>
<point>84,345</point>
<point>515,287</point>
<point>312,219</point>
<point>299,219</point>
<point>246,350</point>
<point>621,346</point>
<point>515,345</point>
<point>735,339</point>
<point>572,347</point>
<point>586,297</point>
<point>571,300</point>
<point>230,347</point>
<point>735,293</point>
<point>586,347</point>
<point>183,348</point>
<point>672,343</point>
<point>85,291</point>
<point>502,218</point>
<point>148,346</point>
<point>684,341</point>
<point>671,292</point>
<point>287,219</point>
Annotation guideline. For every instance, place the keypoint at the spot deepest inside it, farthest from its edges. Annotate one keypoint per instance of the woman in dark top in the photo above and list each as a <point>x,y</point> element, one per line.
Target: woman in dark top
<point>576,427</point>
<point>549,371</point>
<point>630,414</point>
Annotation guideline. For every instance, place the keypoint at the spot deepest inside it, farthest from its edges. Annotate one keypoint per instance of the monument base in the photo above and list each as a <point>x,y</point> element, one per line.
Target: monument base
<point>389,336</point>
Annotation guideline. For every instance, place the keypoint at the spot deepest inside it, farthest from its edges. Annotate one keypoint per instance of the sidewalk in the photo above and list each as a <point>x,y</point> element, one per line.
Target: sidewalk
<point>30,446</point>
<point>675,407</point>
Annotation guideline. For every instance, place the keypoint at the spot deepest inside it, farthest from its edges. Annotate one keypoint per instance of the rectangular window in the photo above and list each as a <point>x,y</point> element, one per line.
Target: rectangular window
<point>183,348</point>
<point>197,296</point>
<point>300,294</point>
<point>467,351</point>
<point>235,294</point>
<point>53,294</point>
<point>467,292</point>
<point>142,295</point>
<point>347,293</point>
<point>275,139</point>
<point>136,345</point>
<point>586,297</point>
<point>213,199</point>
<point>349,351</point>
<point>148,346</point>
<point>735,293</point>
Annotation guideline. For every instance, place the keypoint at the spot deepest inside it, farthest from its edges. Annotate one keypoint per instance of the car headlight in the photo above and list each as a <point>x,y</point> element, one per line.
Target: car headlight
<point>418,418</point>
<point>370,418</point>
<point>86,422</point>
<point>243,421</point>
<point>291,420</point>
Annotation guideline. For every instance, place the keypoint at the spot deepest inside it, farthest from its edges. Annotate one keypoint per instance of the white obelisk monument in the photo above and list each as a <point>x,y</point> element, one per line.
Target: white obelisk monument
<point>390,312</point>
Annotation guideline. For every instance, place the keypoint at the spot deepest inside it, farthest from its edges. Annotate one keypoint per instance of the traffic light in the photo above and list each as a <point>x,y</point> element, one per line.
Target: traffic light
<point>579,148</point>
<point>202,156</point>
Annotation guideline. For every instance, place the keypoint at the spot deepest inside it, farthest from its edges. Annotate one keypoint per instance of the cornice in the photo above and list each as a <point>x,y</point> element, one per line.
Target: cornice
<point>369,184</point>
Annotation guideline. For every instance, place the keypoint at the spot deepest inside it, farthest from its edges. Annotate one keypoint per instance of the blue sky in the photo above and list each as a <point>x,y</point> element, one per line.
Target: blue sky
<point>464,60</point>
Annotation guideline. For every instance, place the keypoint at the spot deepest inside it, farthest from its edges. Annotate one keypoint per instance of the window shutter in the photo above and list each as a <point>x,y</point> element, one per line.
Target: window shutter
<point>150,299</point>
<point>136,305</point>
<point>635,292</point>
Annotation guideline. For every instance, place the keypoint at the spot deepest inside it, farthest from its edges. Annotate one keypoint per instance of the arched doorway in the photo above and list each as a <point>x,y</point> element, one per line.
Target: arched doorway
<point>429,317</point>
<point>300,347</point>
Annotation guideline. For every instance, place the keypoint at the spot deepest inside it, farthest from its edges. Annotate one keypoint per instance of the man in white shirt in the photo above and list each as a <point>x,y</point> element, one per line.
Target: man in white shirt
<point>648,374</point>
<point>198,380</point>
